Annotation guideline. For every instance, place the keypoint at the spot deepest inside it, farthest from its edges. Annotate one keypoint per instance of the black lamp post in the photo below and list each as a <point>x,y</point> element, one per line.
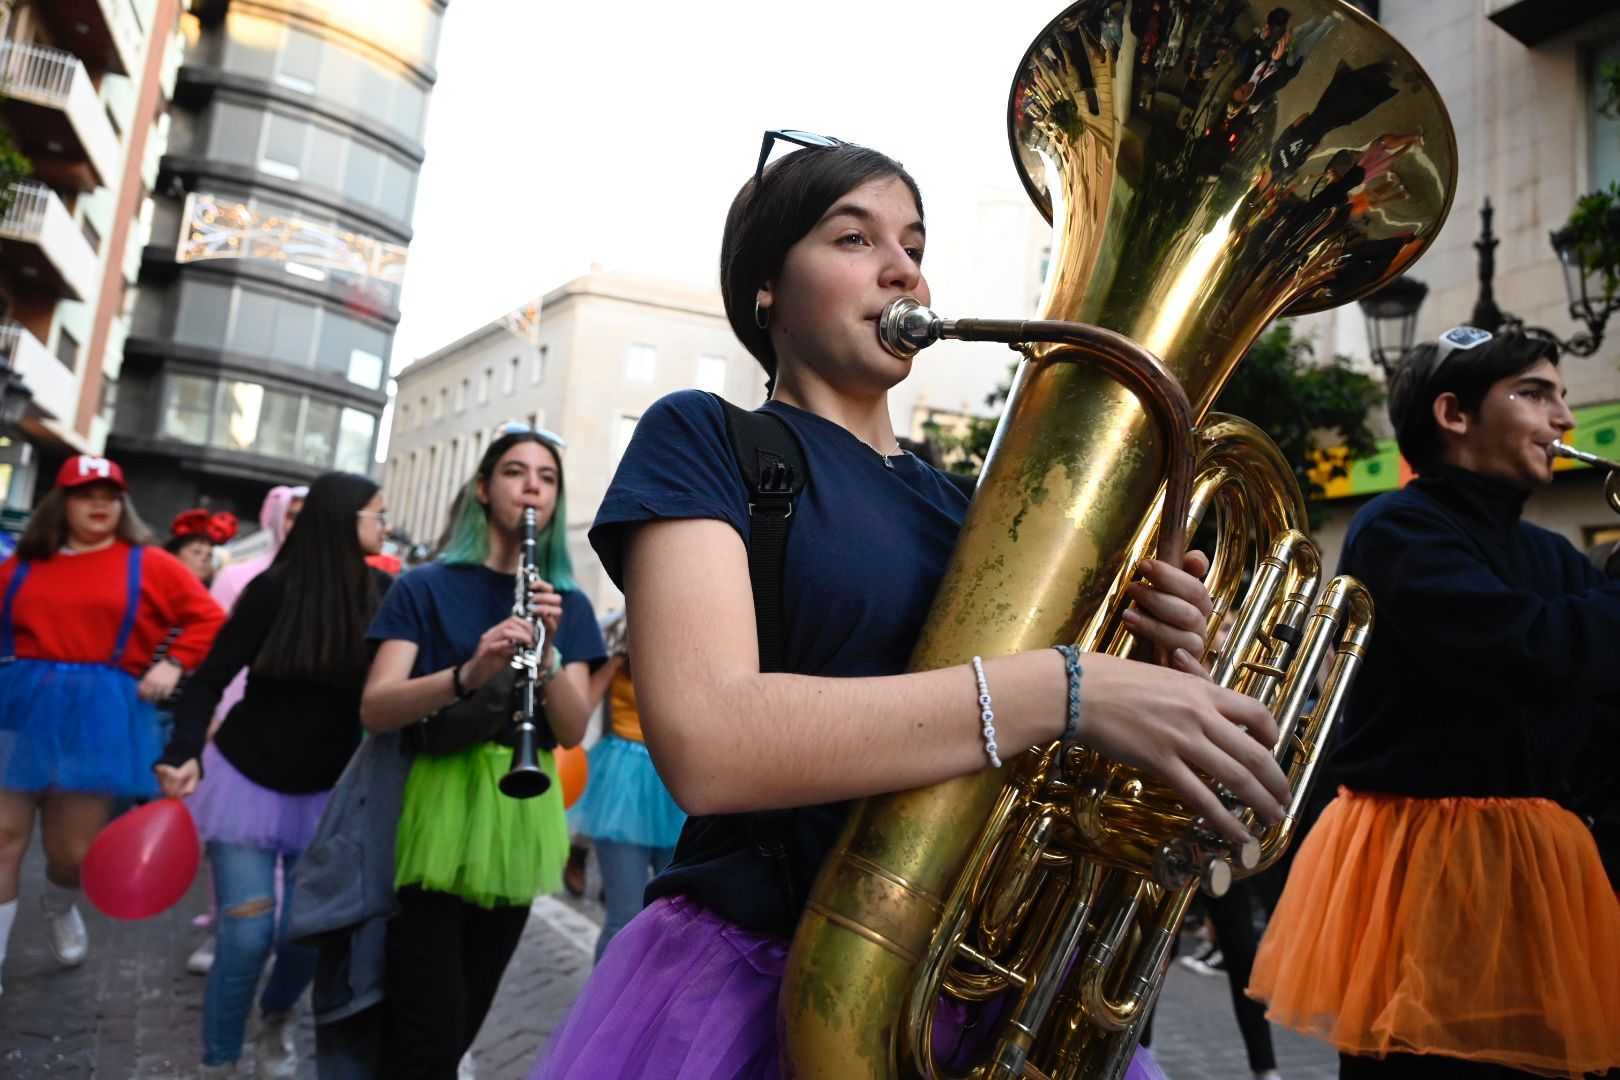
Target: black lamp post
<point>1391,315</point>
<point>1585,295</point>
<point>1391,312</point>
<point>14,397</point>
<point>1587,303</point>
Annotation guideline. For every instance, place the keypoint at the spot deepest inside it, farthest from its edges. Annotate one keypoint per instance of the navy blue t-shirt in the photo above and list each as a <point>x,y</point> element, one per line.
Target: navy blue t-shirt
<point>866,549</point>
<point>444,608</point>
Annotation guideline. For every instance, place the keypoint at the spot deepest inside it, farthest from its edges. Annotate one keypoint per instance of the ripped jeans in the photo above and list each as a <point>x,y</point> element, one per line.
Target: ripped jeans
<point>247,926</point>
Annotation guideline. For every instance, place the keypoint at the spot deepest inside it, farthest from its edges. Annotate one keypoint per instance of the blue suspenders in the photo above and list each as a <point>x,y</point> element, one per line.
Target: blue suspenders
<point>132,602</point>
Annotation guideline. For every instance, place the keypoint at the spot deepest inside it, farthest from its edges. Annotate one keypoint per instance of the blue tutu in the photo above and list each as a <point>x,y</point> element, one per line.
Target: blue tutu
<point>624,798</point>
<point>75,727</point>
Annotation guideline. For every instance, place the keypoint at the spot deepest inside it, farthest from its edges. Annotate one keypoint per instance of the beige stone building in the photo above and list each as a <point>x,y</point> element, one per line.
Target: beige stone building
<point>584,361</point>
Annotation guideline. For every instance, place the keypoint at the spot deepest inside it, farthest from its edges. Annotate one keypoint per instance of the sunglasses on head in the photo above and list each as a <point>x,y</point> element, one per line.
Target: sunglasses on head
<point>518,427</point>
<point>808,139</point>
<point>1457,339</point>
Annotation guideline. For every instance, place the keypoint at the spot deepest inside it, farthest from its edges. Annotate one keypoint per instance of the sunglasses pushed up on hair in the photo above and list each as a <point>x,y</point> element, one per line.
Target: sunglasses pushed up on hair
<point>808,139</point>
<point>518,427</point>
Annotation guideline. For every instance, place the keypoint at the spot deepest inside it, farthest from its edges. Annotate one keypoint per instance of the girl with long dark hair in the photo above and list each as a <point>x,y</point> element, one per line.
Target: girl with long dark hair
<point>469,860</point>
<point>87,602</point>
<point>814,248</point>
<point>258,788</point>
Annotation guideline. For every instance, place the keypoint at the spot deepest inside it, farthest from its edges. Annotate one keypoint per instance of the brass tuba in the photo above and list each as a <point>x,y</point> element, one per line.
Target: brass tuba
<point>1206,167</point>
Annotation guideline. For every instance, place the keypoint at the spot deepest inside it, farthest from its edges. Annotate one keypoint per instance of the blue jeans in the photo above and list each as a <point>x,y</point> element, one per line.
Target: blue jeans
<point>625,871</point>
<point>246,928</point>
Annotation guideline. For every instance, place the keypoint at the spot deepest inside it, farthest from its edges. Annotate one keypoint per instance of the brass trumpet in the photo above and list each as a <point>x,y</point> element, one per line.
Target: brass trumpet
<point>1611,486</point>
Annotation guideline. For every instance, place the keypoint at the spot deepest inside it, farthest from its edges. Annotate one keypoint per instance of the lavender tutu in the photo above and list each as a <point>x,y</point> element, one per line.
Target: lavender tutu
<point>232,809</point>
<point>682,994</point>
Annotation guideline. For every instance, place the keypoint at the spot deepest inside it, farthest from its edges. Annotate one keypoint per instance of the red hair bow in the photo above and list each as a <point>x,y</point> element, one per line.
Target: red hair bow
<point>216,528</point>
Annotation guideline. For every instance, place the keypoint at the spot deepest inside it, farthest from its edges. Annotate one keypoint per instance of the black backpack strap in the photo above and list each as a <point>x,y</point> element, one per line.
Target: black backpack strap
<point>772,465</point>
<point>771,461</point>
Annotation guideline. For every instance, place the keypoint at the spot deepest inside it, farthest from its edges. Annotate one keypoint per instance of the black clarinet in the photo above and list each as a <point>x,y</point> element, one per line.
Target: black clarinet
<point>525,779</point>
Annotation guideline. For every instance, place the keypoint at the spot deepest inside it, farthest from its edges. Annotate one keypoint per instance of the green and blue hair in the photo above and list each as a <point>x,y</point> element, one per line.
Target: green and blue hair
<point>467,539</point>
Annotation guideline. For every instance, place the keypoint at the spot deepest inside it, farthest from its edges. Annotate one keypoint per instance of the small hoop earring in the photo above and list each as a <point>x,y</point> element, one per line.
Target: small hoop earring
<point>762,315</point>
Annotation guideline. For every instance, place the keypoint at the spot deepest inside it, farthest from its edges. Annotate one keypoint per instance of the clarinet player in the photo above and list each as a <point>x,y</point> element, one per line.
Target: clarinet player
<point>471,860</point>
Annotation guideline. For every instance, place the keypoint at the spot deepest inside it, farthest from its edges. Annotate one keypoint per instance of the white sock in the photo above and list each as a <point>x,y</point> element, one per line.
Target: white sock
<point>57,900</point>
<point>8,916</point>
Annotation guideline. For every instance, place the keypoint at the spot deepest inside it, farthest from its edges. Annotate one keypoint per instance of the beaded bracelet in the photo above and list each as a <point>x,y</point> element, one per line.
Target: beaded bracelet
<point>555,667</point>
<point>987,714</point>
<point>1071,662</point>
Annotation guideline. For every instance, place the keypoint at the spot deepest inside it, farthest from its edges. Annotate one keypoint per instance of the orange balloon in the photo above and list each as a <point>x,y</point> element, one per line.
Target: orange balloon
<point>573,769</point>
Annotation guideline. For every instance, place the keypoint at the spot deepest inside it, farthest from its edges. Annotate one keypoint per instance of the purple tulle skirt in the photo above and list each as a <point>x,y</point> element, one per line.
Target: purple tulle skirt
<point>230,808</point>
<point>682,994</point>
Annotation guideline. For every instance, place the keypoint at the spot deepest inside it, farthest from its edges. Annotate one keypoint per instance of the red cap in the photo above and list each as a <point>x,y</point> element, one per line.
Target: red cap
<point>89,469</point>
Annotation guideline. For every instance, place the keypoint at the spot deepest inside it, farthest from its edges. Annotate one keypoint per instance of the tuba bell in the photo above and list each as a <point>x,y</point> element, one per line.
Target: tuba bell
<point>1205,167</point>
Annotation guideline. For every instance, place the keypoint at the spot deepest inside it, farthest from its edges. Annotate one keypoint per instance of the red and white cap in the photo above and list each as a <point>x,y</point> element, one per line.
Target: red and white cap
<point>88,469</point>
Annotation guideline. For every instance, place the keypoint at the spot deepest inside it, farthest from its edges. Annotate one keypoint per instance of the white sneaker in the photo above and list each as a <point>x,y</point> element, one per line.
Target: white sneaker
<point>201,959</point>
<point>275,1055</point>
<point>466,1068</point>
<point>69,939</point>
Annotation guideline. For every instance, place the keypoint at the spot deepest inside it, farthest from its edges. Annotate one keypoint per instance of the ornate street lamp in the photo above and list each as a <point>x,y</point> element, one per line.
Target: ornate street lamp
<point>14,397</point>
<point>1391,315</point>
<point>1587,303</point>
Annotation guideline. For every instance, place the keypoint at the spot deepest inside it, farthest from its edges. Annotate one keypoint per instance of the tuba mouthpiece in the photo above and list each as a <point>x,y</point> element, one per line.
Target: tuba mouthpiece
<point>906,327</point>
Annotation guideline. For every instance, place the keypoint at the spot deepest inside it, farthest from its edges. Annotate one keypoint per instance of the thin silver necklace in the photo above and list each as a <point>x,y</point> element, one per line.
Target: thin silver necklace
<point>898,451</point>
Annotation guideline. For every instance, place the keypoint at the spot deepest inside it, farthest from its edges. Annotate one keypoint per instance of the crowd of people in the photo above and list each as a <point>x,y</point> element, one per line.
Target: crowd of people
<point>340,733</point>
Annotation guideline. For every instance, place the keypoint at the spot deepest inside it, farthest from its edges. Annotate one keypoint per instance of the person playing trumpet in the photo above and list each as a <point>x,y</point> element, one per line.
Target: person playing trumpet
<point>1445,917</point>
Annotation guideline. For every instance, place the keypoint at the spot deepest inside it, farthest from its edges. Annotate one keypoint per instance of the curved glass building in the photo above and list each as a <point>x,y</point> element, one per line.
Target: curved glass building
<point>259,342</point>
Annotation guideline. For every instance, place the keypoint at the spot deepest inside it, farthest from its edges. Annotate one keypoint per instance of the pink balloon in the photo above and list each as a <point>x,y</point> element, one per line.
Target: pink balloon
<point>143,862</point>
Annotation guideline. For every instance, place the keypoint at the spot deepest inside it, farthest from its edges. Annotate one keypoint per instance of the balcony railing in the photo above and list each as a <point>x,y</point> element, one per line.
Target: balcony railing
<point>39,224</point>
<point>55,388</point>
<point>55,80</point>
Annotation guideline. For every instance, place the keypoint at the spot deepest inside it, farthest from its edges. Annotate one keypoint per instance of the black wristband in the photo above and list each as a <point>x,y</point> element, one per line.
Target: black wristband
<point>455,681</point>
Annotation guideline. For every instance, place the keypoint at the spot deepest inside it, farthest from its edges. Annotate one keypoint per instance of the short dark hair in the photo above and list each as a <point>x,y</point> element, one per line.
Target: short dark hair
<point>764,223</point>
<point>1468,373</point>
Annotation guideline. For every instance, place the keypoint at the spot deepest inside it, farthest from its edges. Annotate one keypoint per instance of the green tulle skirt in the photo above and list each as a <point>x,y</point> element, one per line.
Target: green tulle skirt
<point>458,834</point>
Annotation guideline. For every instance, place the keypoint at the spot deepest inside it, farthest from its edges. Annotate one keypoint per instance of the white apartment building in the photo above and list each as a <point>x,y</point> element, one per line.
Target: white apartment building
<point>584,361</point>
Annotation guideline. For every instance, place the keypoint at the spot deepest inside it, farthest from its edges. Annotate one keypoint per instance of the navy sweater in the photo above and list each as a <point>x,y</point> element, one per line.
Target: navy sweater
<point>1494,648</point>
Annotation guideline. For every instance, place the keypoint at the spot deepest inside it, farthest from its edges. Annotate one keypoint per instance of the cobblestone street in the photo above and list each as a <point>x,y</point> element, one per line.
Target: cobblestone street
<point>132,1011</point>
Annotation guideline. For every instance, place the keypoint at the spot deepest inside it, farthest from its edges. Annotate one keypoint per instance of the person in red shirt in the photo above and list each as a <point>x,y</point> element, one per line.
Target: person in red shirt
<point>84,605</point>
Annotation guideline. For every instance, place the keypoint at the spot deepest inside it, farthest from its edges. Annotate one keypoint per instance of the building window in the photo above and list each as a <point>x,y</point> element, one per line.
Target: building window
<point>404,418</point>
<point>711,374</point>
<point>462,391</point>
<point>283,153</point>
<point>511,375</point>
<point>320,434</point>
<point>91,237</point>
<point>622,433</point>
<point>278,424</point>
<point>188,407</point>
<point>299,65</point>
<point>641,363</point>
<point>1605,129</point>
<point>483,385</point>
<point>539,366</point>
<point>240,406</point>
<point>355,430</point>
<point>109,399</point>
<point>67,350</point>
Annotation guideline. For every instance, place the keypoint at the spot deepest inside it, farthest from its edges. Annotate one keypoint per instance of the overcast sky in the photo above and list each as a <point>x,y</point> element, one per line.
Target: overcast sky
<point>563,134</point>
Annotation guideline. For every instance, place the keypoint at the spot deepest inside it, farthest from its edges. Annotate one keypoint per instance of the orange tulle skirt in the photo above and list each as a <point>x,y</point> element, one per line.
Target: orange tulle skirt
<point>1482,929</point>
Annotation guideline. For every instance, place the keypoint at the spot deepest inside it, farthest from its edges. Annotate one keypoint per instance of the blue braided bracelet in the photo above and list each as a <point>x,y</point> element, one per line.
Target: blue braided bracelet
<point>1071,661</point>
